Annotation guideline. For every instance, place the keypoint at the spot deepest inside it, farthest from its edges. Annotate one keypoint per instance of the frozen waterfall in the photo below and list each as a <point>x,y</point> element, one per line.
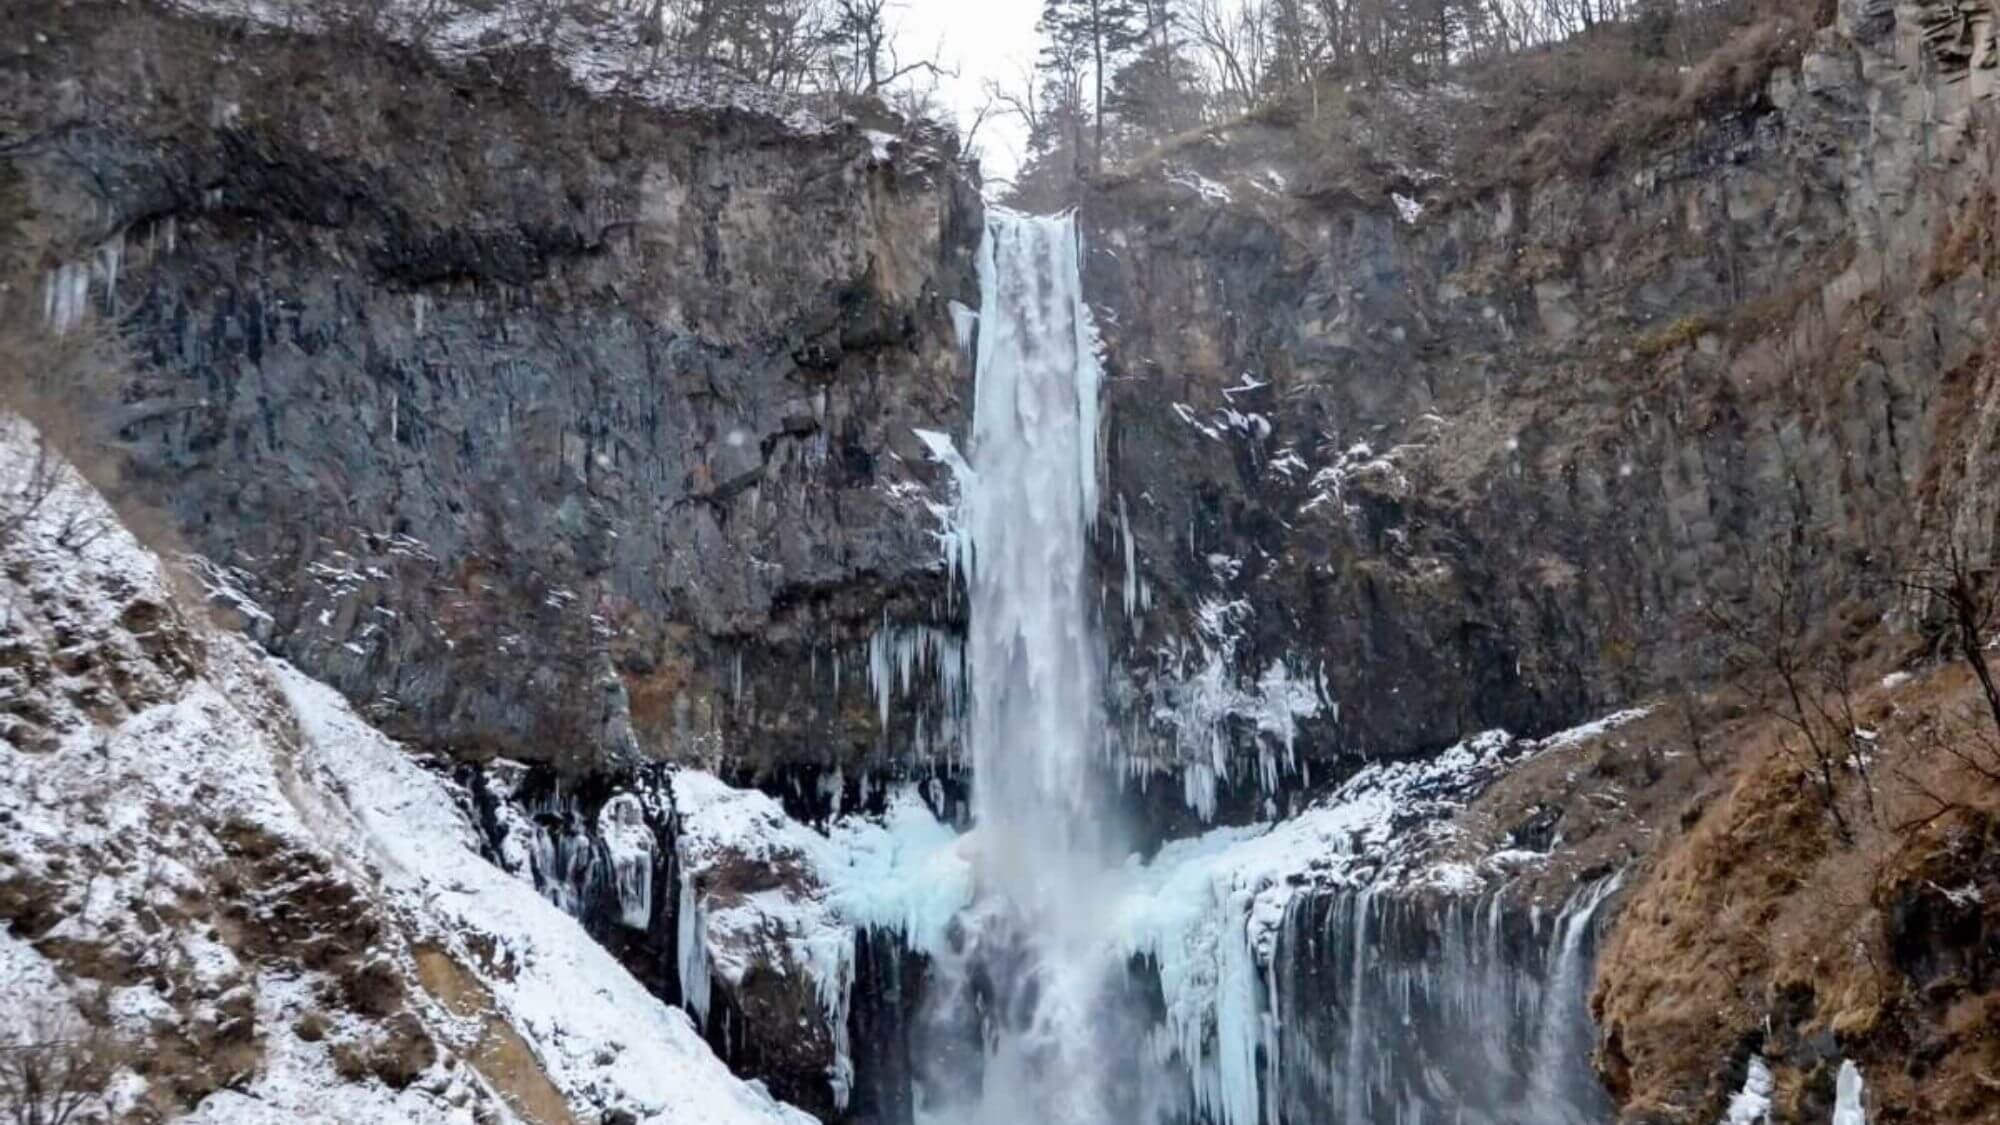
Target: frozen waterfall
<point>1032,969</point>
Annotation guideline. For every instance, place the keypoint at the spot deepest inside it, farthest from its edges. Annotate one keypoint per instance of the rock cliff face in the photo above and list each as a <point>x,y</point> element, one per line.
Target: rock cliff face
<point>557,425</point>
<point>1478,446</point>
<point>541,422</point>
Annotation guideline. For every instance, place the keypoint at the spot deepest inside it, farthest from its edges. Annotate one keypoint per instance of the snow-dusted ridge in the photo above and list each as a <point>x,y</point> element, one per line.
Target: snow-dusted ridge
<point>603,1035</point>
<point>604,56</point>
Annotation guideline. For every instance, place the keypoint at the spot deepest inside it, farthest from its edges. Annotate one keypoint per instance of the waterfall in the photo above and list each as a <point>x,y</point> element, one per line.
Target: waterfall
<point>1034,659</point>
<point>1033,973</point>
<point>1253,1005</point>
<point>1380,990</point>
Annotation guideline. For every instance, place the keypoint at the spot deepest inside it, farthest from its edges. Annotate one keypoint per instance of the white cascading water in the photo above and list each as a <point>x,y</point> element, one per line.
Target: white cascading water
<point>1034,958</point>
<point>1031,1015</point>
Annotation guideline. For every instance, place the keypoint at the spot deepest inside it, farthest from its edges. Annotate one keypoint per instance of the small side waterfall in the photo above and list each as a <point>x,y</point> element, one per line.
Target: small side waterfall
<point>1411,1009</point>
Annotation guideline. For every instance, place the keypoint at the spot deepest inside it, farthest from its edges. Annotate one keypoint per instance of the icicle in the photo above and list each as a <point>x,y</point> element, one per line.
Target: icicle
<point>693,942</point>
<point>1131,591</point>
<point>621,824</point>
<point>1848,1104</point>
<point>111,256</point>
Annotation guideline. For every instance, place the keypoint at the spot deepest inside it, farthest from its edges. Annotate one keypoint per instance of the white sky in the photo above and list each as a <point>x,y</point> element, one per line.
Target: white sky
<point>981,40</point>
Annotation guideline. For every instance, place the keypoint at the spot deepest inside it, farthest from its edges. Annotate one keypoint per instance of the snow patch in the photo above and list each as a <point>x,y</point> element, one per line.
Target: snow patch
<point>1209,190</point>
<point>1752,1104</point>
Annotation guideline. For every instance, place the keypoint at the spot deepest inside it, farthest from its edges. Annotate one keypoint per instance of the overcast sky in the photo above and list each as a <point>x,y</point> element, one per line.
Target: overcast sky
<point>980,39</point>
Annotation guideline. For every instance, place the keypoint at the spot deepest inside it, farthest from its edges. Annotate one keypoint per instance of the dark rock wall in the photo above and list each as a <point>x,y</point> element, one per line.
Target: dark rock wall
<point>541,423</point>
<point>1593,404</point>
<point>571,429</point>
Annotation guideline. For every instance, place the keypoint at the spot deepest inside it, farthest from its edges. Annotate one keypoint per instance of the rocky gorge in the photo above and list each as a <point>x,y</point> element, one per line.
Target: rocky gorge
<point>583,425</point>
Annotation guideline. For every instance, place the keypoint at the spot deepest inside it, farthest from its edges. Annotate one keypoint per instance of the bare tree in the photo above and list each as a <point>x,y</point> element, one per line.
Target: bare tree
<point>1953,579</point>
<point>27,487</point>
<point>54,1072</point>
<point>1230,37</point>
<point>1796,677</point>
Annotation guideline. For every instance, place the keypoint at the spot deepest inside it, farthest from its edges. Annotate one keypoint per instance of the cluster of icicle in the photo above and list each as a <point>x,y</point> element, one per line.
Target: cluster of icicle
<point>572,861</point>
<point>1752,1104</point>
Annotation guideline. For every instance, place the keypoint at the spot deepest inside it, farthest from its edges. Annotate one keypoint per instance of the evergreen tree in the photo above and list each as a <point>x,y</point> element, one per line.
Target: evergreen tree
<point>1158,91</point>
<point>1092,35</point>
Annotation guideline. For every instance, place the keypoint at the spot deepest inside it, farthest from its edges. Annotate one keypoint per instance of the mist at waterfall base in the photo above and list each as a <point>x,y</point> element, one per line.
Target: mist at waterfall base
<point>1032,977</point>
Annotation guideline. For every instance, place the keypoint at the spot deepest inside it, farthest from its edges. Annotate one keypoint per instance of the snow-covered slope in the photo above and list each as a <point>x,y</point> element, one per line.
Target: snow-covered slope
<point>238,902</point>
<point>601,1036</point>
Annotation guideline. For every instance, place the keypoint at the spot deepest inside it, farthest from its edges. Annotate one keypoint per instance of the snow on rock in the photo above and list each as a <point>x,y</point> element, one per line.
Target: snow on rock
<point>29,985</point>
<point>761,899</point>
<point>603,56</point>
<point>244,877</point>
<point>1596,728</point>
<point>1358,465</point>
<point>1752,1104</point>
<point>153,857</point>
<point>762,890</point>
<point>602,1037</point>
<point>1201,697</point>
<point>1207,189</point>
<point>1208,911</point>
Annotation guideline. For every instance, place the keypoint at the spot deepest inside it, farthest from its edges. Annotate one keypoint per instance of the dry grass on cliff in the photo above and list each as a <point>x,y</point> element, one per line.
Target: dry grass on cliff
<point>1570,107</point>
<point>1759,930</point>
<point>1616,794</point>
<point>1562,109</point>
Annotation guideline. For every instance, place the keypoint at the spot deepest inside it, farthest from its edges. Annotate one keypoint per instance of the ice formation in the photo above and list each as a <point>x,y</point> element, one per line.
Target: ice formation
<point>1848,1108</point>
<point>631,847</point>
<point>1035,922</point>
<point>1753,1104</point>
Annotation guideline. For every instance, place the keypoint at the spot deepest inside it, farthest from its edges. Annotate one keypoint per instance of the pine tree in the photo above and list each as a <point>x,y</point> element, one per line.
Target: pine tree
<point>1158,91</point>
<point>1099,34</point>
